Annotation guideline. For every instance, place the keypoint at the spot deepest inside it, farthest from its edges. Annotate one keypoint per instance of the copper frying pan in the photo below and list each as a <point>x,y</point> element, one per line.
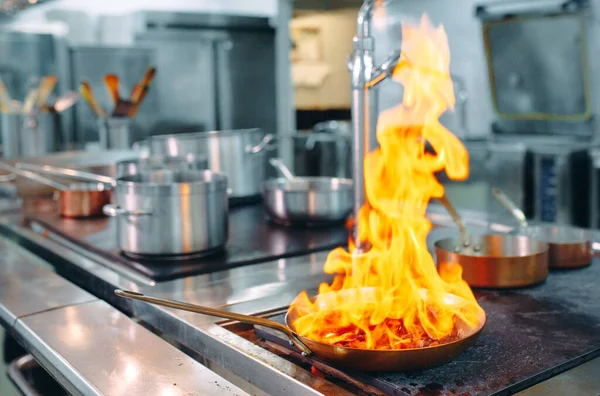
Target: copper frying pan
<point>352,358</point>
<point>569,247</point>
<point>492,260</point>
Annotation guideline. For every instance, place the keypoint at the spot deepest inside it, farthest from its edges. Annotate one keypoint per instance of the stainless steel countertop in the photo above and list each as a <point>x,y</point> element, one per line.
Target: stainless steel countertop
<point>95,349</point>
<point>251,290</point>
<point>87,345</point>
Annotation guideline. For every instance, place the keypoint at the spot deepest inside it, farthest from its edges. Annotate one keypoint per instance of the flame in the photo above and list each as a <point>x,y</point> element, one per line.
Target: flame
<point>391,296</point>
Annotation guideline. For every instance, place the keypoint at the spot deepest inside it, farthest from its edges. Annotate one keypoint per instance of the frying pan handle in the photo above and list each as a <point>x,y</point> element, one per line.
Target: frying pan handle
<point>510,206</point>
<point>262,145</point>
<point>115,211</point>
<point>220,314</point>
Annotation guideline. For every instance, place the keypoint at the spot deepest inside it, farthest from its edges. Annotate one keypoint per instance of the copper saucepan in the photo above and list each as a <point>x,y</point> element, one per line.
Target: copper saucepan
<point>352,358</point>
<point>76,200</point>
<point>492,260</point>
<point>569,247</point>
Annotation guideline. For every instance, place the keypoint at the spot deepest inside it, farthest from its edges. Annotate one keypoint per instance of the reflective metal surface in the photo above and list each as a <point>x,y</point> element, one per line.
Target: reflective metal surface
<point>236,57</point>
<point>98,162</point>
<point>133,167</point>
<point>26,135</point>
<point>308,199</point>
<point>166,212</point>
<point>91,63</point>
<point>240,154</point>
<point>569,247</point>
<point>93,349</point>
<point>27,55</point>
<point>115,133</point>
<point>28,285</point>
<point>15,372</point>
<point>252,290</point>
<point>365,76</point>
<point>495,261</point>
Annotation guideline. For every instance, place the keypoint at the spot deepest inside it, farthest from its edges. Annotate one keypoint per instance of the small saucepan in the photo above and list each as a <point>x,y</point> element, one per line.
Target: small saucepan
<point>306,200</point>
<point>492,260</point>
<point>76,200</point>
<point>569,247</point>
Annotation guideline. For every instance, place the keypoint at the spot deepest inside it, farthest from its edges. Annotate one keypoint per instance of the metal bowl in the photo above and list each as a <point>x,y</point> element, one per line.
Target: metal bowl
<point>308,199</point>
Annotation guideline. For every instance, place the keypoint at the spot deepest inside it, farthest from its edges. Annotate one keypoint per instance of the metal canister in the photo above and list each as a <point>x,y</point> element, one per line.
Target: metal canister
<point>115,133</point>
<point>29,135</point>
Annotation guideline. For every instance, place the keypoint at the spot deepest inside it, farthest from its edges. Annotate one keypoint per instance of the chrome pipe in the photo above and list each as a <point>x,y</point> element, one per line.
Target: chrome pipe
<point>364,109</point>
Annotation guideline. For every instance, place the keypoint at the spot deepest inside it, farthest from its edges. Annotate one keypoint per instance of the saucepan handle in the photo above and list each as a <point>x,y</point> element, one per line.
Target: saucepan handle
<point>264,144</point>
<point>219,314</point>
<point>115,211</point>
<point>510,206</point>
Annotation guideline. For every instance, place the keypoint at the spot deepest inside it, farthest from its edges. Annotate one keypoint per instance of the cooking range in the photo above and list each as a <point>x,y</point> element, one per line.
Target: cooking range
<point>252,239</point>
<point>531,335</point>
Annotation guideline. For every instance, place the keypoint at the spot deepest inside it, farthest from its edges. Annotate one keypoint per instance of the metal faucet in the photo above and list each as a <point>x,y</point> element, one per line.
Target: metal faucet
<point>365,78</point>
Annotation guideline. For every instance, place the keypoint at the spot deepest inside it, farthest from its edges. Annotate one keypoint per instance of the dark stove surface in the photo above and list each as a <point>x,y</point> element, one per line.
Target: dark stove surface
<point>252,239</point>
<point>530,336</point>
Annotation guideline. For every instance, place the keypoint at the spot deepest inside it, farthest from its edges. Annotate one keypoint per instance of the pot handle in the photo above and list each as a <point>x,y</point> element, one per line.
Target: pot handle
<point>264,144</point>
<point>115,211</point>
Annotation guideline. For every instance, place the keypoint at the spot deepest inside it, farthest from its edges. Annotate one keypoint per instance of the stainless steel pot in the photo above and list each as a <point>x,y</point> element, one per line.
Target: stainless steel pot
<point>240,154</point>
<point>164,212</point>
<point>135,166</point>
<point>322,154</point>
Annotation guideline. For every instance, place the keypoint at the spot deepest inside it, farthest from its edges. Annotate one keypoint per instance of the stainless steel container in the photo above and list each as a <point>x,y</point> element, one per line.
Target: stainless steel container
<point>295,200</point>
<point>115,133</point>
<point>240,154</point>
<point>140,165</point>
<point>164,212</point>
<point>27,135</point>
<point>322,154</point>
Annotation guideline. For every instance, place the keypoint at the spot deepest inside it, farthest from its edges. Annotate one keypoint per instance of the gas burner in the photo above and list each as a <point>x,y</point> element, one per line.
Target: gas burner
<point>172,257</point>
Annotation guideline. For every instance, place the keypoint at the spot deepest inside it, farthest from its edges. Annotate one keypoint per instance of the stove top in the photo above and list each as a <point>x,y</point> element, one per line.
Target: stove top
<point>531,335</point>
<point>252,239</point>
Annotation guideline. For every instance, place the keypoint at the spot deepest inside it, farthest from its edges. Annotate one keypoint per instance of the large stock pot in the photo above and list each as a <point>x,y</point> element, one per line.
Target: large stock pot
<point>239,154</point>
<point>166,212</point>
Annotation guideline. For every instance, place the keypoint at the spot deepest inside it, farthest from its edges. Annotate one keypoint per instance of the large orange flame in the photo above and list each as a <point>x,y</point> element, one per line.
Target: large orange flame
<point>391,296</point>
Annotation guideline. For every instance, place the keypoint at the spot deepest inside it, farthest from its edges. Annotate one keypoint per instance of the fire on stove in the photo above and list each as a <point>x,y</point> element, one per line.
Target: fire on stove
<point>390,295</point>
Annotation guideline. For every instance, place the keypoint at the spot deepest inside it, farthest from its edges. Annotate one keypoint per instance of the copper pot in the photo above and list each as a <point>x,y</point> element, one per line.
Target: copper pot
<point>492,260</point>
<point>84,199</point>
